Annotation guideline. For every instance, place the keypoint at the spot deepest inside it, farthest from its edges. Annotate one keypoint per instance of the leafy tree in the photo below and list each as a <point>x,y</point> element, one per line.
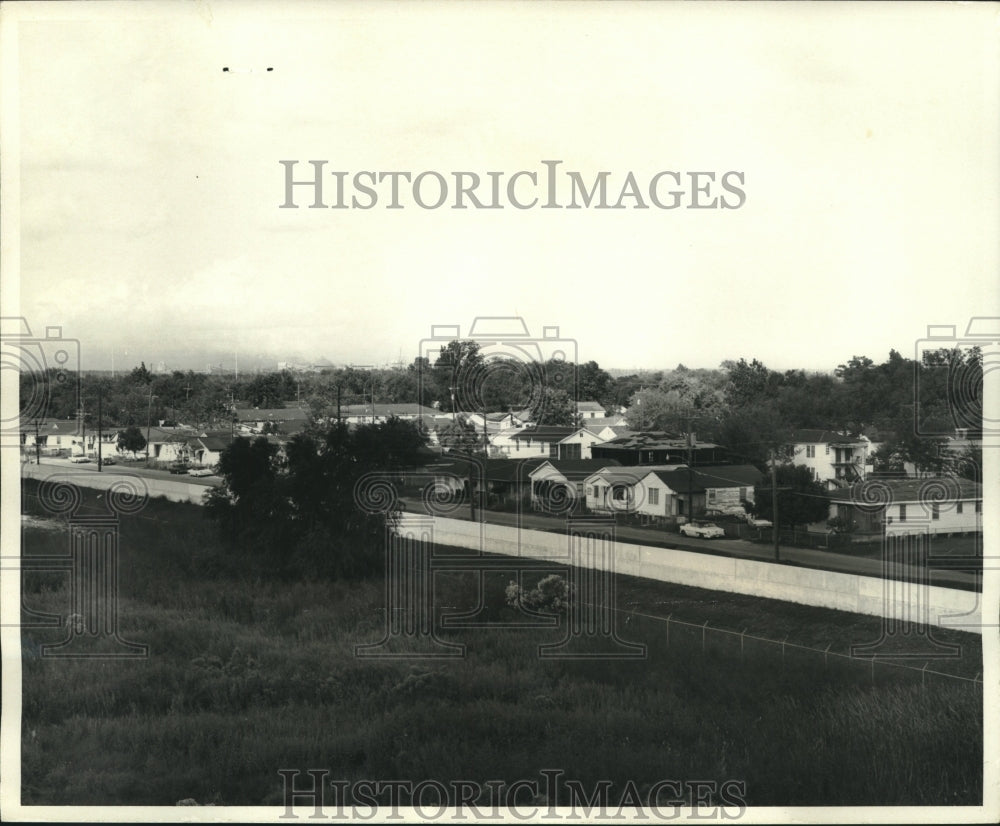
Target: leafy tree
<point>460,435</point>
<point>132,440</point>
<point>801,499</point>
<point>140,375</point>
<point>299,514</point>
<point>554,407</point>
<point>594,384</point>
<point>456,372</point>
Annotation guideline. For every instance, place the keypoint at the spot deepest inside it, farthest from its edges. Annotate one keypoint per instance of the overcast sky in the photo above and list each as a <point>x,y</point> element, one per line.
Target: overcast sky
<point>150,179</point>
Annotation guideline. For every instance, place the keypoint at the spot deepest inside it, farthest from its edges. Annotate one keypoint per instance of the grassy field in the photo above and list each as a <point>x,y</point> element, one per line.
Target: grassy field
<point>245,678</point>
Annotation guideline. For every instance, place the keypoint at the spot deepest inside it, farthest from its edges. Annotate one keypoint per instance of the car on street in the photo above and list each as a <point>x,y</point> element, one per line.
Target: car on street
<point>754,522</point>
<point>108,460</point>
<point>79,460</point>
<point>200,471</point>
<point>702,530</point>
<point>178,467</point>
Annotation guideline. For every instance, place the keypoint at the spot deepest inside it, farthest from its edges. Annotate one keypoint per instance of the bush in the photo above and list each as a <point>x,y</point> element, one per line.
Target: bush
<point>551,594</point>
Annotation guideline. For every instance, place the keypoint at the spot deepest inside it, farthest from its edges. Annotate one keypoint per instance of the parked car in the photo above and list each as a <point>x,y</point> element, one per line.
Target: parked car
<point>754,522</point>
<point>178,467</point>
<point>109,460</point>
<point>200,471</point>
<point>703,530</point>
<point>79,460</point>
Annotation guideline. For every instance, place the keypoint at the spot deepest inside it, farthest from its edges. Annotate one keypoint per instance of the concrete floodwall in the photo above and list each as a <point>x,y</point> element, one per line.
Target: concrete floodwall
<point>905,601</point>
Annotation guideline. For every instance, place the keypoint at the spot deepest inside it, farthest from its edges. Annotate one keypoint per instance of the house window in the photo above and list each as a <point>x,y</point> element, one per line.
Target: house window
<point>597,491</point>
<point>553,450</point>
<point>935,510</point>
<point>743,494</point>
<point>958,508</point>
<point>902,513</point>
<point>810,451</point>
<point>827,449</point>
<point>711,494</point>
<point>654,496</point>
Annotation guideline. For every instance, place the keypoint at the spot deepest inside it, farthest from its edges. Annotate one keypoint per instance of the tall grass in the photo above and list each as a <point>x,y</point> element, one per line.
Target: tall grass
<point>246,677</point>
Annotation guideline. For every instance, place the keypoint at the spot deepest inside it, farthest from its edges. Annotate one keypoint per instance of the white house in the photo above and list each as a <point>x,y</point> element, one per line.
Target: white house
<point>553,442</point>
<point>562,478</point>
<point>673,491</point>
<point>589,410</point>
<point>835,458</point>
<point>939,505</point>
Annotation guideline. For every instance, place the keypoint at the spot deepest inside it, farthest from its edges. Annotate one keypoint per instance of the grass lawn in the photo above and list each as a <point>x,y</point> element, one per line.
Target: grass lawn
<point>245,678</point>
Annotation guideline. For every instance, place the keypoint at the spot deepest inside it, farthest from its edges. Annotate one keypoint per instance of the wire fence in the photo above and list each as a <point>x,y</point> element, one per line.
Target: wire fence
<point>711,638</point>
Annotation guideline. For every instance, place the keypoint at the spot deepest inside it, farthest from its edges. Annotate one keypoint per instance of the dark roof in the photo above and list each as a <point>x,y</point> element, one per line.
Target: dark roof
<point>652,440</point>
<point>545,433</point>
<point>818,436</point>
<point>212,442</point>
<point>578,467</point>
<point>272,414</point>
<point>589,406</point>
<point>388,409</point>
<point>931,489</point>
<point>702,479</point>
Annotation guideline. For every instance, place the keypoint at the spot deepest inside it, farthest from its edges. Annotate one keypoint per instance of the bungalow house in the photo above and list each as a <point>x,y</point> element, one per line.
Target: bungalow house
<point>207,450</point>
<point>562,480</point>
<point>658,448</point>
<point>835,458</point>
<point>672,491</point>
<point>169,444</point>
<point>589,410</point>
<point>285,419</point>
<point>51,436</point>
<point>495,422</point>
<point>381,412</point>
<point>553,442</point>
<point>942,505</point>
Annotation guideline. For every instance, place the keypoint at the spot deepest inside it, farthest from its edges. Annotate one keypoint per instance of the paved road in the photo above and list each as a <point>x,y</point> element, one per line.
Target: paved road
<point>657,537</point>
<point>131,468</point>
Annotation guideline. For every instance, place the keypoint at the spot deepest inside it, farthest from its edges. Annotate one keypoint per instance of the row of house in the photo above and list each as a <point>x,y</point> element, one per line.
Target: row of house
<point>675,493</point>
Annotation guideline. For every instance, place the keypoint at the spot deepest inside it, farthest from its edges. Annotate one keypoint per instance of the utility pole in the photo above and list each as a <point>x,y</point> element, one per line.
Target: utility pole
<point>83,430</point>
<point>690,458</point>
<point>100,455</point>
<point>149,410</point>
<point>774,505</point>
<point>38,446</point>
<point>338,404</point>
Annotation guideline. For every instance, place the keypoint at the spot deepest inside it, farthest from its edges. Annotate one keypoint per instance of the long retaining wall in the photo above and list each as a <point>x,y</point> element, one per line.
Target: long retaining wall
<point>903,601</point>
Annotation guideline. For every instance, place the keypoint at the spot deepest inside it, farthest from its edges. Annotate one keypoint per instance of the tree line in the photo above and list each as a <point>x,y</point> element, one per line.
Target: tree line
<point>744,405</point>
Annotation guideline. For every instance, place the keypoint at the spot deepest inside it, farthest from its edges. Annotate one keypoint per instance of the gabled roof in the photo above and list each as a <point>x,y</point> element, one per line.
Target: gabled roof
<point>818,436</point>
<point>576,468</point>
<point>272,414</point>
<point>385,410</point>
<point>911,490</point>
<point>546,433</point>
<point>589,406</point>
<point>213,443</point>
<point>707,478</point>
